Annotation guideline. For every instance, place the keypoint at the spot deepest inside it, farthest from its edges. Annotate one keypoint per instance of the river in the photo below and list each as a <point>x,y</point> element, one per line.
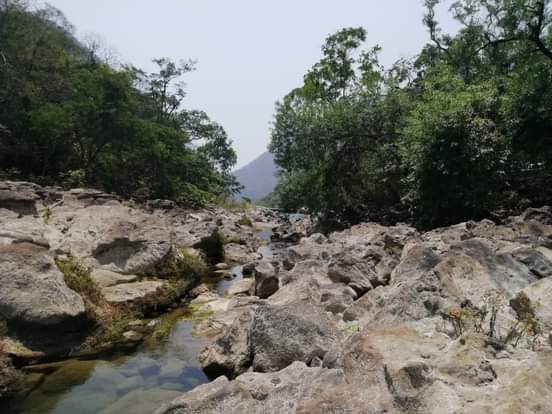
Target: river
<point>133,381</point>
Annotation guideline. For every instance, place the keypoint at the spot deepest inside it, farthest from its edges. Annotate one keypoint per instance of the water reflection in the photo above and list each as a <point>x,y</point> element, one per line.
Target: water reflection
<point>120,384</point>
<point>131,382</point>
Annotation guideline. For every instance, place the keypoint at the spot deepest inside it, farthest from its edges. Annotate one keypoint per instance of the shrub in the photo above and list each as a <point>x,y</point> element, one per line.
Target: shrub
<point>78,279</point>
<point>483,319</point>
<point>245,221</point>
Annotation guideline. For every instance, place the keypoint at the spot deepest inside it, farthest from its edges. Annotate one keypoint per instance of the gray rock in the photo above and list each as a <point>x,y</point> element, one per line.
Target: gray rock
<point>34,291</point>
<point>281,335</point>
<point>241,287</point>
<point>266,280</point>
<point>105,278</point>
<point>20,197</point>
<point>129,292</point>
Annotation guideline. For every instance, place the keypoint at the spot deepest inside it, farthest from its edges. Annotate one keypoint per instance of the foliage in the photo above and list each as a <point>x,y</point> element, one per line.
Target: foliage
<point>483,319</point>
<point>457,133</point>
<point>181,265</point>
<point>245,221</point>
<point>69,118</point>
<point>46,214</point>
<point>78,279</point>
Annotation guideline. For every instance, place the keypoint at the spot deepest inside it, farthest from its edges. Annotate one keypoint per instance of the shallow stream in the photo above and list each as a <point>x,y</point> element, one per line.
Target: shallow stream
<point>134,381</point>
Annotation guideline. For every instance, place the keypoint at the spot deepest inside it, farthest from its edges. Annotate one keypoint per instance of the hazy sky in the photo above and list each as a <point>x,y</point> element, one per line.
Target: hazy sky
<point>250,53</point>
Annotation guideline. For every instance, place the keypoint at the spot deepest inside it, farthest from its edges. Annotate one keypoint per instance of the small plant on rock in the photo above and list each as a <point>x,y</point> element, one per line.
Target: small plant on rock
<point>470,318</point>
<point>78,279</point>
<point>245,221</point>
<point>46,215</point>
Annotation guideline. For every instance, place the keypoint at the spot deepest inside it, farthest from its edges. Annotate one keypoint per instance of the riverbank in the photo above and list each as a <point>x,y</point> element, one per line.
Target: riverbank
<point>85,272</point>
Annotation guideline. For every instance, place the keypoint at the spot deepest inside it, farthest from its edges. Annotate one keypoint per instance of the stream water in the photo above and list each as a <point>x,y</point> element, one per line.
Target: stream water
<point>134,381</point>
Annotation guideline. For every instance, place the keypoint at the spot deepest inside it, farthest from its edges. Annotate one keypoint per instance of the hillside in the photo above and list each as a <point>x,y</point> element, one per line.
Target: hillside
<point>258,177</point>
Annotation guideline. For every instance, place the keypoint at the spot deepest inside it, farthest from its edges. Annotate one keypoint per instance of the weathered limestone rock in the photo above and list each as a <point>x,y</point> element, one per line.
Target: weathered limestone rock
<point>34,291</point>
<point>241,287</point>
<point>106,278</point>
<point>266,280</point>
<point>129,292</point>
<point>366,304</point>
<point>238,253</point>
<point>20,197</point>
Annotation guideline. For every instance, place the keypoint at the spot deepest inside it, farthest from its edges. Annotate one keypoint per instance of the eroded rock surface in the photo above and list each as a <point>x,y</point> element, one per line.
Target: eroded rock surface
<point>360,322</point>
<point>34,291</point>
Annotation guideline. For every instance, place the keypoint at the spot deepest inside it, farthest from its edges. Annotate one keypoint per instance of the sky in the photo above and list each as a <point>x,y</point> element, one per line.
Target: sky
<point>249,53</point>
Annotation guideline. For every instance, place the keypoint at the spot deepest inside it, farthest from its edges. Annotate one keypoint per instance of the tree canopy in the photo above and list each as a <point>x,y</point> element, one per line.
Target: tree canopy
<point>68,117</point>
<point>462,131</point>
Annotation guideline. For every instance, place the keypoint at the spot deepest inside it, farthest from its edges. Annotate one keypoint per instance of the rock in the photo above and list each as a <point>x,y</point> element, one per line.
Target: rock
<point>268,338</point>
<point>199,290</point>
<point>34,291</point>
<point>20,197</point>
<point>241,287</point>
<point>113,237</point>
<point>206,297</point>
<point>129,292</point>
<point>221,266</point>
<point>248,269</point>
<point>230,355</point>
<point>266,280</point>
<point>282,335</point>
<point>237,253</point>
<point>132,336</point>
<point>19,351</point>
<point>366,305</point>
<point>140,401</point>
<point>106,278</point>
<point>540,295</point>
<point>72,372</point>
<point>161,204</point>
<point>291,390</point>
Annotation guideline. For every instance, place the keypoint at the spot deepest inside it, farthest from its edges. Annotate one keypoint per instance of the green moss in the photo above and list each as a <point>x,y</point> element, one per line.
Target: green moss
<point>180,265</point>
<point>130,204</point>
<point>78,279</point>
<point>232,205</point>
<point>245,221</point>
<point>46,214</point>
<point>109,331</point>
<point>163,297</point>
<point>196,312</point>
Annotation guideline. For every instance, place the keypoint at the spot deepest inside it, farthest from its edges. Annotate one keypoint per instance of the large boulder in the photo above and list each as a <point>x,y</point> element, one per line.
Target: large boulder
<point>281,335</point>
<point>266,280</point>
<point>34,291</point>
<point>113,237</point>
<point>295,389</point>
<point>20,197</point>
<point>269,338</point>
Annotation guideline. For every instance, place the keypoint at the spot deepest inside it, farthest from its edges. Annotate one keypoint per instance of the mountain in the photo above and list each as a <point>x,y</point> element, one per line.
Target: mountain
<point>258,177</point>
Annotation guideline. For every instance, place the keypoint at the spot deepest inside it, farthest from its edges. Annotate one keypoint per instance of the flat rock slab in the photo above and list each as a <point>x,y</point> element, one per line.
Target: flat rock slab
<point>129,292</point>
<point>34,290</point>
<point>241,287</point>
<point>107,278</point>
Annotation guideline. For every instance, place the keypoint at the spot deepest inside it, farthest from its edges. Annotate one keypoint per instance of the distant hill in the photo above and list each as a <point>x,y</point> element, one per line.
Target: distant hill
<point>258,177</point>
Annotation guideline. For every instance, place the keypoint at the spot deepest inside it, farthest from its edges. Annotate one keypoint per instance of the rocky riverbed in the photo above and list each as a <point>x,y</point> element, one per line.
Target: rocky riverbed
<point>379,319</point>
<point>84,273</point>
<point>371,319</point>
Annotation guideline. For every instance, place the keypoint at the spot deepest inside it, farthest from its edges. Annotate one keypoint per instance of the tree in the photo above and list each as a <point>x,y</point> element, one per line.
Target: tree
<point>327,135</point>
<point>70,118</point>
